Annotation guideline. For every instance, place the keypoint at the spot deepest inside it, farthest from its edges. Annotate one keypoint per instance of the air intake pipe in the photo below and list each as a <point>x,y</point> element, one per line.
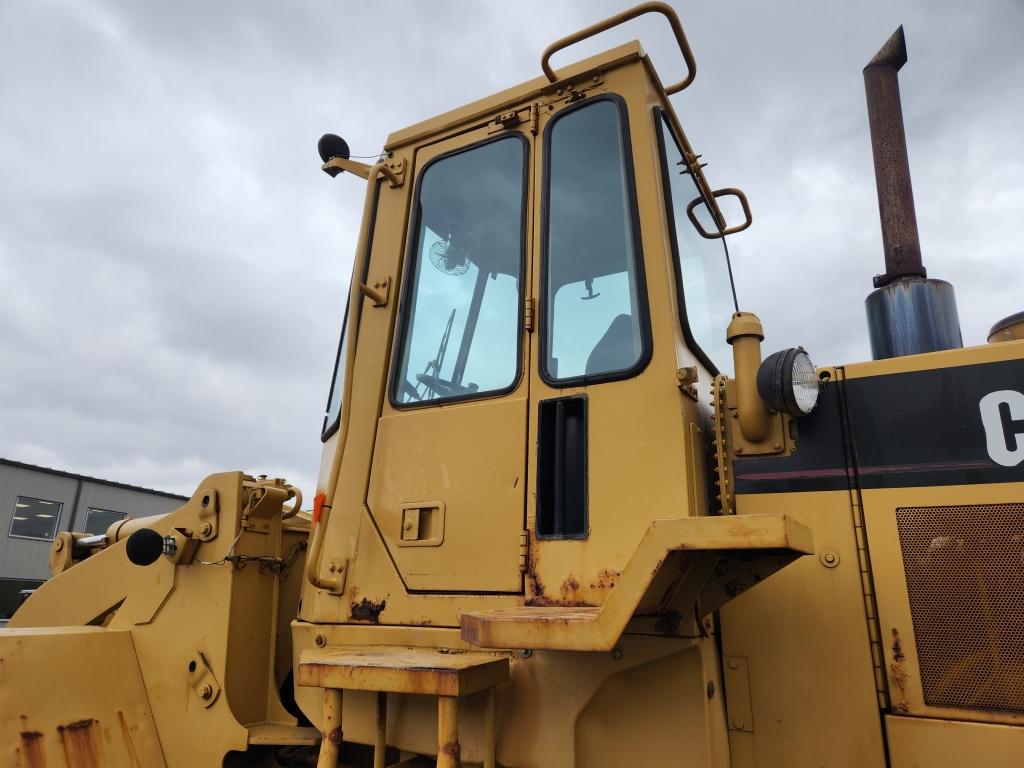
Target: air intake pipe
<point>908,313</point>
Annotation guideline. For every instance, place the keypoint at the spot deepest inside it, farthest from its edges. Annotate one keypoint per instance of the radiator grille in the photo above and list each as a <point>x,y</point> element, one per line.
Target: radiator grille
<point>965,576</point>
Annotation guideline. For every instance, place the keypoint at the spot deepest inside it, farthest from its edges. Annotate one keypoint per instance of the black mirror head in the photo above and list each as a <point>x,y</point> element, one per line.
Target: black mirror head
<point>145,546</point>
<point>331,146</point>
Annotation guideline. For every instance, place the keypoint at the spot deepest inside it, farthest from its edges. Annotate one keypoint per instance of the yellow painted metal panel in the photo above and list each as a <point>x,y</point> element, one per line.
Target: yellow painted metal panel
<point>917,742</point>
<point>804,635</point>
<point>73,696</point>
<point>441,453</point>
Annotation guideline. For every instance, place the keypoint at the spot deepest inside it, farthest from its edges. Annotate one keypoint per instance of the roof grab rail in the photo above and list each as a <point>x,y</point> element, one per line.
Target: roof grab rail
<point>723,231</point>
<point>613,21</point>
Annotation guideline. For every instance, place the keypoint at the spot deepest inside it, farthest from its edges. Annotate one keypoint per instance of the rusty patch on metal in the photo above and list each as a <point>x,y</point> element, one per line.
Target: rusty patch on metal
<point>531,574</point>
<point>452,749</point>
<point>606,579</point>
<point>334,736</point>
<point>898,672</point>
<point>569,588</point>
<point>80,740</point>
<point>666,622</point>
<point>368,610</point>
<point>32,749</point>
<point>126,732</point>
<point>568,591</point>
<point>546,602</point>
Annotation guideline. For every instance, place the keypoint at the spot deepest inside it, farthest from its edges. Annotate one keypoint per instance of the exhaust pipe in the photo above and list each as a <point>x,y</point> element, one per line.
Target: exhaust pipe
<point>908,313</point>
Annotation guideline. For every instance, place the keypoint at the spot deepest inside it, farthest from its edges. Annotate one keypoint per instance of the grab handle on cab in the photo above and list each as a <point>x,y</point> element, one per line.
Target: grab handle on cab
<point>613,21</point>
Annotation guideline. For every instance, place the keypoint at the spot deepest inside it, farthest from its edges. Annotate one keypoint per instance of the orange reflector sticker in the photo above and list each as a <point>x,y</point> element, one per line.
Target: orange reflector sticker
<point>318,505</point>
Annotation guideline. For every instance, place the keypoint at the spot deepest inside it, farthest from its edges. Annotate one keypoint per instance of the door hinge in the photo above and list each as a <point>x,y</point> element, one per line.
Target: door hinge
<point>528,314</point>
<point>524,550</point>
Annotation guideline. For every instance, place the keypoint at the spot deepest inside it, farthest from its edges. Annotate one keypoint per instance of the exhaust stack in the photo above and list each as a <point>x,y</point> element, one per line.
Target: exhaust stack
<point>908,313</point>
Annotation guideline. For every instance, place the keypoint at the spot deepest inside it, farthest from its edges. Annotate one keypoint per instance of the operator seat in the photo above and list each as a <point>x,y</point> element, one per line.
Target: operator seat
<point>616,350</point>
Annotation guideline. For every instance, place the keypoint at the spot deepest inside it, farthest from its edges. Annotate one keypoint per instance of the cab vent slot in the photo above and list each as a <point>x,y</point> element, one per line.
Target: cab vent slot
<point>562,468</point>
<point>965,577</point>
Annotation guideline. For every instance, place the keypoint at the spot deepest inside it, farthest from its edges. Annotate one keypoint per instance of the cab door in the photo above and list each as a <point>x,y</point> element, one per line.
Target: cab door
<point>448,481</point>
<point>609,424</point>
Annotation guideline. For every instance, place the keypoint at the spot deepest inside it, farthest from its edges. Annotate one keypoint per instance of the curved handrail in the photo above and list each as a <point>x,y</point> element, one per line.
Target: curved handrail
<point>716,194</point>
<point>613,21</point>
<point>296,507</point>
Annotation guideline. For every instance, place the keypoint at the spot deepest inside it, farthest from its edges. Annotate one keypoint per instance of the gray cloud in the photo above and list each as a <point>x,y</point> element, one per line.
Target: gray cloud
<point>175,265</point>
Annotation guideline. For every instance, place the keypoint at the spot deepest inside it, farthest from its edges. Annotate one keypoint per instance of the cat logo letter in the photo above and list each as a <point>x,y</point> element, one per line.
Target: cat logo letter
<point>1002,414</point>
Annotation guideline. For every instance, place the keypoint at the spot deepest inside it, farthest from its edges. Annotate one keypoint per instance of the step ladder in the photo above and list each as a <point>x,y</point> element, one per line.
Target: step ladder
<point>448,675</point>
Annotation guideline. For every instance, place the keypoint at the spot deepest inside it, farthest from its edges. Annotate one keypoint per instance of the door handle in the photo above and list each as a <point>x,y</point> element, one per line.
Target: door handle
<point>421,524</point>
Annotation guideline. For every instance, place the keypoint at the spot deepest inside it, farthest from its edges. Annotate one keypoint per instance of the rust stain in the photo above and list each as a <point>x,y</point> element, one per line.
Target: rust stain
<point>129,745</point>
<point>80,740</point>
<point>898,673</point>
<point>334,736</point>
<point>546,602</point>
<point>570,597</point>
<point>666,622</point>
<point>539,597</point>
<point>538,585</point>
<point>32,749</point>
<point>452,749</point>
<point>569,588</point>
<point>368,610</point>
<point>606,579</point>
<point>533,561</point>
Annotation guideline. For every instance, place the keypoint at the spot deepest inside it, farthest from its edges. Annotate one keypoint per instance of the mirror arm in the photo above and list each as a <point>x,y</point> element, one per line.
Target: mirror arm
<point>362,170</point>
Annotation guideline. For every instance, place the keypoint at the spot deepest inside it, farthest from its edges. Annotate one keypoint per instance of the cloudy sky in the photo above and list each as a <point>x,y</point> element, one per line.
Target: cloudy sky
<point>174,264</point>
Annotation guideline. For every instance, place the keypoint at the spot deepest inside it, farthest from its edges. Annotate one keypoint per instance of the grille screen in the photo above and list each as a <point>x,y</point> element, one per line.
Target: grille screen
<point>965,575</point>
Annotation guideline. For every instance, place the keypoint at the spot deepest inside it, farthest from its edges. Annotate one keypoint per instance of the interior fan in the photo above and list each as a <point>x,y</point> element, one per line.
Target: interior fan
<point>448,257</point>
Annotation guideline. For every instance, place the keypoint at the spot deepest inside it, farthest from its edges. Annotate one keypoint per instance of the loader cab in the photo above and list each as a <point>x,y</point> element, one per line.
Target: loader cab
<point>555,263</point>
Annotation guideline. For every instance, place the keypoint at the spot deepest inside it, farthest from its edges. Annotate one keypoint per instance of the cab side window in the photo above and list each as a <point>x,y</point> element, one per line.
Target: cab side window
<point>594,301</point>
<point>707,297</point>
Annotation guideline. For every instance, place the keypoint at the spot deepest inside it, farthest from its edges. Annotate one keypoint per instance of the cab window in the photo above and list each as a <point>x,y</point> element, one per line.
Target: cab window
<point>461,329</point>
<point>333,416</point>
<point>707,299</point>
<point>595,324</point>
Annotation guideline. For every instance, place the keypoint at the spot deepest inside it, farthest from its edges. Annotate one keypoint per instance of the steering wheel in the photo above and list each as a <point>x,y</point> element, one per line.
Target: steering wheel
<point>443,387</point>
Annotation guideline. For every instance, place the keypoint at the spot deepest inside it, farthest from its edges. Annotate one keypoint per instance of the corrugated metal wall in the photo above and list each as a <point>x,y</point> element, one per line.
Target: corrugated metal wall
<point>29,558</point>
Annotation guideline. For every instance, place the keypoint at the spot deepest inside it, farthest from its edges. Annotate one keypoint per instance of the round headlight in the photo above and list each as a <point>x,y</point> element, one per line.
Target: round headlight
<point>787,382</point>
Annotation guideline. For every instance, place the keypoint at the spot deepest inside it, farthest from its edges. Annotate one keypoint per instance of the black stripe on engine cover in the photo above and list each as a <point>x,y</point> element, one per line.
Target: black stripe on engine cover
<point>921,428</point>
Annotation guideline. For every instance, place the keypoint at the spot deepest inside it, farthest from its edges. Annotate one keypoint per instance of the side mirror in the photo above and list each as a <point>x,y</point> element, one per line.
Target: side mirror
<point>330,147</point>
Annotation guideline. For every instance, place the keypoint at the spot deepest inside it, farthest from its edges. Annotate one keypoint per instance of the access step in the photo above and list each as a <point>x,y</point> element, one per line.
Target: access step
<point>402,670</point>
<point>447,674</point>
<point>710,559</point>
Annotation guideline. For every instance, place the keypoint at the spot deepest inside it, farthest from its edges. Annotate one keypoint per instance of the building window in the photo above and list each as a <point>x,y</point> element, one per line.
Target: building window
<point>98,520</point>
<point>35,518</point>
<point>11,597</point>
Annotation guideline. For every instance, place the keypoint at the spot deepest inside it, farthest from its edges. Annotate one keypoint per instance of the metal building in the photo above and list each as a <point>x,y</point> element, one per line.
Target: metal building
<point>37,503</point>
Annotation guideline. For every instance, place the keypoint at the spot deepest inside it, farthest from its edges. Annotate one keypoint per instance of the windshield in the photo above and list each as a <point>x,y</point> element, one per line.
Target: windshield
<point>707,299</point>
<point>462,316</point>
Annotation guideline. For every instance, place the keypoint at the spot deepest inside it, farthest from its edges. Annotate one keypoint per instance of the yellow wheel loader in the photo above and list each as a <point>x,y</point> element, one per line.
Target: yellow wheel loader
<point>567,513</point>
